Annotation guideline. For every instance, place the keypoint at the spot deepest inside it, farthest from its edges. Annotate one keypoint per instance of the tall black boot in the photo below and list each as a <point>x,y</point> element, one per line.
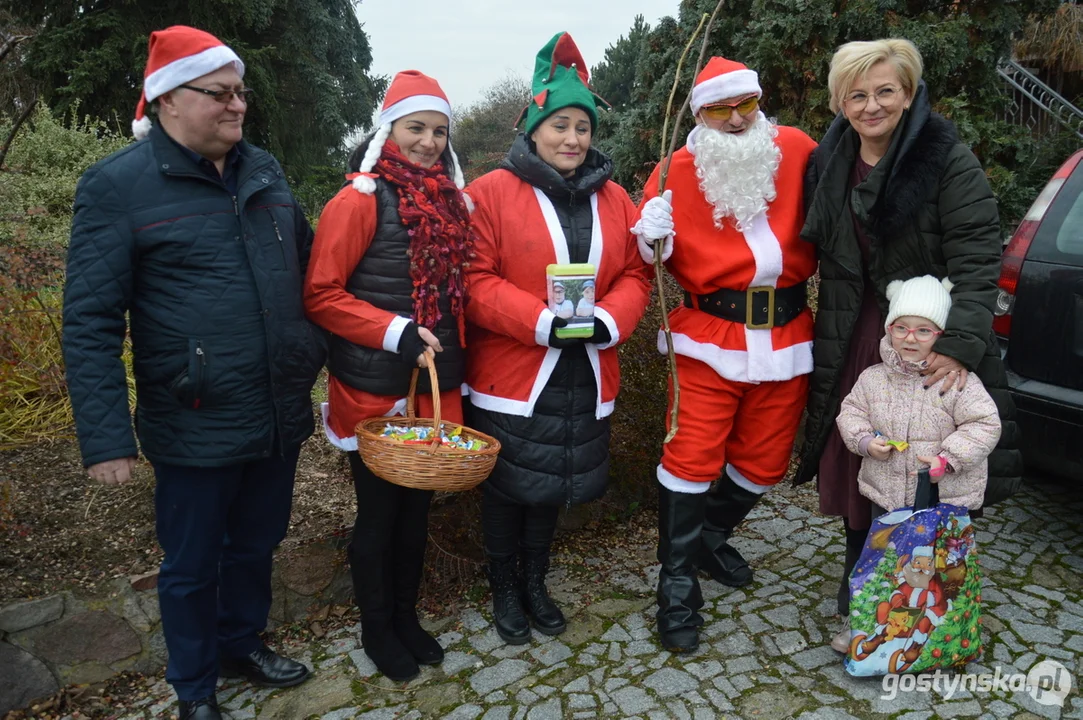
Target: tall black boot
<point>680,525</point>
<point>408,555</point>
<point>855,543</point>
<point>508,616</point>
<point>372,579</point>
<point>543,611</point>
<point>727,505</point>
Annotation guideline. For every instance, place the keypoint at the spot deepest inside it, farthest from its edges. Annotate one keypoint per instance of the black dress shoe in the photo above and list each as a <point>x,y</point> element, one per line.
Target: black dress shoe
<point>264,667</point>
<point>202,709</point>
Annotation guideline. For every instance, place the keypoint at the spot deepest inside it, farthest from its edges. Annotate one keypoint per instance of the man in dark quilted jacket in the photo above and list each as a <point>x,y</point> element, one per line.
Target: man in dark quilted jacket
<point>190,241</point>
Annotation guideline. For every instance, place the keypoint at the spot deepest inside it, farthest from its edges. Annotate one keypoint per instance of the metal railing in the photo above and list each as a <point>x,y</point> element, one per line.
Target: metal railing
<point>1035,105</point>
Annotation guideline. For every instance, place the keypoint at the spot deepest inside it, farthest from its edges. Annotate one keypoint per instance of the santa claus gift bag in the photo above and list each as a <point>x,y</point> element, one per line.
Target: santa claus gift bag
<point>915,594</point>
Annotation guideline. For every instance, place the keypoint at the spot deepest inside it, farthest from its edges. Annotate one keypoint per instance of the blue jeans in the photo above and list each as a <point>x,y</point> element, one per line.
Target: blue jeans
<point>218,528</point>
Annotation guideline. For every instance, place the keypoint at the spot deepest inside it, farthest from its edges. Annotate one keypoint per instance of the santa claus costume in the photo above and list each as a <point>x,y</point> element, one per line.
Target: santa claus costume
<point>743,337</point>
<point>388,268</point>
<point>546,398</point>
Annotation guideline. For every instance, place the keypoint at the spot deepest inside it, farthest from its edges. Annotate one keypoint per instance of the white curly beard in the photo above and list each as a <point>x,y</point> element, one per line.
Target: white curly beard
<point>737,172</point>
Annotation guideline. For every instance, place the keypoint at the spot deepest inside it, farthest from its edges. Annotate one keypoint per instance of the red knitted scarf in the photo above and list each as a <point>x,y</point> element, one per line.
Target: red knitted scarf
<point>441,237</point>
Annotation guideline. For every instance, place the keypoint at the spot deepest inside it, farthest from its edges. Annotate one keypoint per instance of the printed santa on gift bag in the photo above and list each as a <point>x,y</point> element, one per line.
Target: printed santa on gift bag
<point>915,594</point>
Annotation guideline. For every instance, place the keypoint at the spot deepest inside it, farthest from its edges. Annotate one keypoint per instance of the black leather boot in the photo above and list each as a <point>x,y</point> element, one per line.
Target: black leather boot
<point>727,505</point>
<point>508,616</point>
<point>408,562</point>
<point>372,587</point>
<point>547,617</point>
<point>680,525</point>
<point>202,709</point>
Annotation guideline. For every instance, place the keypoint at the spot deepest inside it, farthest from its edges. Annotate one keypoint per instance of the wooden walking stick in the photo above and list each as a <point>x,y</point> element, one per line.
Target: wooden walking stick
<point>663,173</point>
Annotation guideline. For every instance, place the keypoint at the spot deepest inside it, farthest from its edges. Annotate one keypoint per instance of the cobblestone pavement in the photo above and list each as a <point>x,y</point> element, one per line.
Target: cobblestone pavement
<point>765,652</point>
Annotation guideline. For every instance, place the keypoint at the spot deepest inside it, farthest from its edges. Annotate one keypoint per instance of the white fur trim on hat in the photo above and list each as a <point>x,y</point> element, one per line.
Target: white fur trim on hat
<point>189,68</point>
<point>923,551</point>
<point>141,127</point>
<point>413,104</point>
<point>729,85</point>
<point>367,185</point>
<point>924,297</point>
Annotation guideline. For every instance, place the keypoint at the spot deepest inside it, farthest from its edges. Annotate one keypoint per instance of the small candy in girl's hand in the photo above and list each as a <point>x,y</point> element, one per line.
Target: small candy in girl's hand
<point>900,445</point>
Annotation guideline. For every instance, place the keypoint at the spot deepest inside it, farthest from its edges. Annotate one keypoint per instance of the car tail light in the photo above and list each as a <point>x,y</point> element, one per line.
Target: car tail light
<point>1011,264</point>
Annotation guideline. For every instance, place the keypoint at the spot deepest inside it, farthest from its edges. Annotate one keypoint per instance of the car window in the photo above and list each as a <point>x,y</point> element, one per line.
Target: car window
<point>1070,235</point>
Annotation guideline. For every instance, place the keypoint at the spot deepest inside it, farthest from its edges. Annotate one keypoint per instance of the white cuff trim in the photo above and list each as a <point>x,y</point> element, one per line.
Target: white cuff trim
<point>543,326</point>
<point>394,333</point>
<point>611,324</point>
<point>742,482</point>
<point>675,484</point>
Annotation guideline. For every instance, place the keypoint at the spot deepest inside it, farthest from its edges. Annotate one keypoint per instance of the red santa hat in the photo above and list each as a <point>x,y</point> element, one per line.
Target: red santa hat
<point>723,79</point>
<point>177,55</point>
<point>410,92</point>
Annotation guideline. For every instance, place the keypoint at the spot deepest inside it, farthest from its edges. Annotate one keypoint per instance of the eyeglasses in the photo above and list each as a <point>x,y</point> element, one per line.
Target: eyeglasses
<point>885,97</point>
<point>722,113</point>
<point>923,334</point>
<point>223,96</point>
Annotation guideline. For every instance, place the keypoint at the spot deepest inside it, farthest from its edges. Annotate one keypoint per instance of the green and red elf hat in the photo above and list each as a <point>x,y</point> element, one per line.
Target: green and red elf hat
<point>561,80</point>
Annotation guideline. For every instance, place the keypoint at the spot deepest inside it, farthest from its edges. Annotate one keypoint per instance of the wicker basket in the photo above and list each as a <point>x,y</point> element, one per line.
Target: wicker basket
<point>424,467</point>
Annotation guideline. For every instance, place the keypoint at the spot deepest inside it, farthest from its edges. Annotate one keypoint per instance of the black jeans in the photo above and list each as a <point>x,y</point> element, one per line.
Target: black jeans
<point>511,528</point>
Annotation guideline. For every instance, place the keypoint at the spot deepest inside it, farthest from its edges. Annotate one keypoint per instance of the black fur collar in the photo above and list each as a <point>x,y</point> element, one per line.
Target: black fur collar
<point>915,173</point>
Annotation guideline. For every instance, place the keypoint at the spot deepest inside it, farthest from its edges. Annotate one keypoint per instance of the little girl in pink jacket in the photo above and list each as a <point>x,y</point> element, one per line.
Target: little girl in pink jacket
<point>952,433</point>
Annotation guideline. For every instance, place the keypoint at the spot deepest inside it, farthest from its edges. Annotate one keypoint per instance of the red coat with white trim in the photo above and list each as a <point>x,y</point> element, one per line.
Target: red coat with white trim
<point>706,258</point>
<point>518,235</point>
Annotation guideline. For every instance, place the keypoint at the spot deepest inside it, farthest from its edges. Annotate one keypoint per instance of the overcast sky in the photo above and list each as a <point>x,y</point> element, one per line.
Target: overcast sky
<point>469,45</point>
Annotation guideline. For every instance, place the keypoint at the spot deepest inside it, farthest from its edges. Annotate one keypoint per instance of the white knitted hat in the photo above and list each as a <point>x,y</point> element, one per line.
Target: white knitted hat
<point>924,297</point>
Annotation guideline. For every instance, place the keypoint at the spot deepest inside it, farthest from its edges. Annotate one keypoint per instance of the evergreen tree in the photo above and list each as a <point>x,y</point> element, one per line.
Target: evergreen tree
<point>306,60</point>
<point>614,78</point>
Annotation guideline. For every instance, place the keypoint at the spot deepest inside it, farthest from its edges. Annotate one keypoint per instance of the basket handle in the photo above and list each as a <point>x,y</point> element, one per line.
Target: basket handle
<point>434,382</point>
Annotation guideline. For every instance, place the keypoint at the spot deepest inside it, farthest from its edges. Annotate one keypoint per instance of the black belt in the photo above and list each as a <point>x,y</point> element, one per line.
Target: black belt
<point>758,308</point>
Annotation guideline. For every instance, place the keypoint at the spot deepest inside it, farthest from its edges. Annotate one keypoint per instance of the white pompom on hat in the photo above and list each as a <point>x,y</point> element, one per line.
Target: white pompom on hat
<point>411,91</point>
<point>924,297</point>
<point>175,56</point>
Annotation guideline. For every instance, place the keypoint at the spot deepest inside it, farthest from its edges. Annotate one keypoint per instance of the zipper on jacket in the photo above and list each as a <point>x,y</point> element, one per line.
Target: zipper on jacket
<point>201,358</point>
<point>236,208</point>
<point>569,431</point>
<point>281,244</point>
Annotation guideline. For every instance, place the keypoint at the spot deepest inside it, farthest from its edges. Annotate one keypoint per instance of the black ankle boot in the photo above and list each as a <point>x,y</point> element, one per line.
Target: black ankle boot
<point>680,524</point>
<point>372,581</point>
<point>508,616</point>
<point>727,504</point>
<point>547,617</point>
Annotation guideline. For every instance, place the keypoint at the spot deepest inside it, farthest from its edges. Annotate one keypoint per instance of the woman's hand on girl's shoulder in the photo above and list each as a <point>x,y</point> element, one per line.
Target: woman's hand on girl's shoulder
<point>948,369</point>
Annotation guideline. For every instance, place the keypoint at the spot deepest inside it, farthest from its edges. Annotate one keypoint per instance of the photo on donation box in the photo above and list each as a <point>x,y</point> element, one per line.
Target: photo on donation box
<point>571,297</point>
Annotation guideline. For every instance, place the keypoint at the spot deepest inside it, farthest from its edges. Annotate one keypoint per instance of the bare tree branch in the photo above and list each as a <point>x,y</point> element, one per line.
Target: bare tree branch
<point>15,129</point>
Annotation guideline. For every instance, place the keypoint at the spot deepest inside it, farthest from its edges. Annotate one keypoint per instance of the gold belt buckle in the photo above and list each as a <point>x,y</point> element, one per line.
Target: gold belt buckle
<point>770,309</point>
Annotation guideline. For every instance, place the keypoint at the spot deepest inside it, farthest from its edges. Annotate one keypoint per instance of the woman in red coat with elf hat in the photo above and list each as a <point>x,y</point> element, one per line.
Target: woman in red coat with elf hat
<point>546,398</point>
<point>387,280</point>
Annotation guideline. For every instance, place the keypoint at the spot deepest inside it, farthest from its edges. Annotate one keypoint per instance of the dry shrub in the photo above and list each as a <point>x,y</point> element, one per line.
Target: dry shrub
<point>1055,40</point>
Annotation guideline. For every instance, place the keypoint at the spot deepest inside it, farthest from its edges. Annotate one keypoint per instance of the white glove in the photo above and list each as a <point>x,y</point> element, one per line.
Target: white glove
<point>655,223</point>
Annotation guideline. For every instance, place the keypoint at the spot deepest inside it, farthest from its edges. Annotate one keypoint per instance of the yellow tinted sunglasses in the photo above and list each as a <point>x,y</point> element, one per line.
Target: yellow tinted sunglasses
<point>721,113</point>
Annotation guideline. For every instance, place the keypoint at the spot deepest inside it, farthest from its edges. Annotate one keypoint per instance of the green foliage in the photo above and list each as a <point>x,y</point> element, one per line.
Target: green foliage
<point>307,61</point>
<point>614,78</point>
<point>878,588</point>
<point>44,165</point>
<point>37,189</point>
<point>483,132</point>
<point>790,44</point>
